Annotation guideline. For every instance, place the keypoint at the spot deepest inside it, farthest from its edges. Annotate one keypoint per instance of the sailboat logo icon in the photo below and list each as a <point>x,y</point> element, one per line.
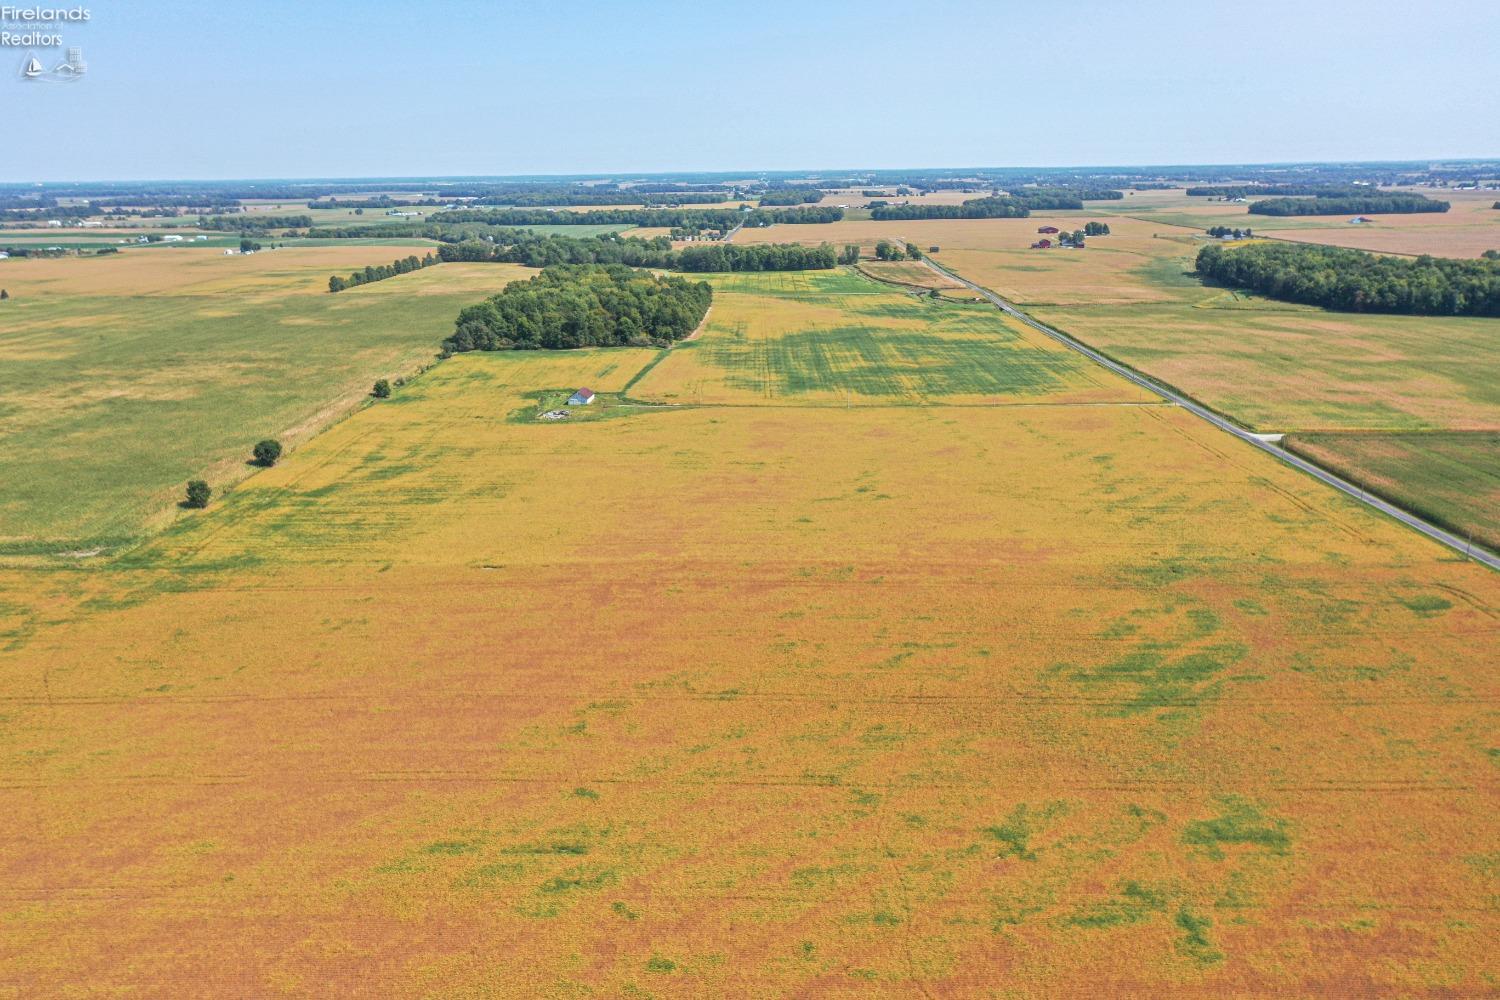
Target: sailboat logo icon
<point>70,69</point>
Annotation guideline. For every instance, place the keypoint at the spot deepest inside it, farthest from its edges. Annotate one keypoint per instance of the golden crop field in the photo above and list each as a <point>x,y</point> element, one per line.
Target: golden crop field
<point>766,698</point>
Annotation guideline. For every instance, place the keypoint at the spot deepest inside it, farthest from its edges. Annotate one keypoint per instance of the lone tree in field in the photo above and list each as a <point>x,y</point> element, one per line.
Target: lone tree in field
<point>382,389</point>
<point>197,494</point>
<point>4,294</point>
<point>267,452</point>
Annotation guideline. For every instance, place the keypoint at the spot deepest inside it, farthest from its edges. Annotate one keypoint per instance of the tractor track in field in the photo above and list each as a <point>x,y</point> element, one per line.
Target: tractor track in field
<point>1437,534</point>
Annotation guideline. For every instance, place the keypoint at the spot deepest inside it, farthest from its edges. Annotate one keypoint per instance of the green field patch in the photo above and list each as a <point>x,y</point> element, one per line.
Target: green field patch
<point>1241,824</point>
<point>877,362</point>
<point>1132,904</point>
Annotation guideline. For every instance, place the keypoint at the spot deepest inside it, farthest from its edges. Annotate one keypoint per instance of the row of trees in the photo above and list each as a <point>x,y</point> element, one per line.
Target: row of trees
<point>253,222</point>
<point>404,265</point>
<point>676,218</point>
<point>974,208</point>
<point>1375,204</point>
<point>1356,281</point>
<point>1236,232</point>
<point>590,305</point>
<point>1037,197</point>
<point>791,196</point>
<point>755,257</point>
<point>524,246</point>
<point>1017,205</point>
<point>1096,229</point>
<point>521,246</point>
<point>886,250</point>
<point>1275,190</point>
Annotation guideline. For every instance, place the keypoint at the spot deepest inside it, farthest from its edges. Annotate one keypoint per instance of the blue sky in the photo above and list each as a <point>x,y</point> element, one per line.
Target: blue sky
<point>280,89</point>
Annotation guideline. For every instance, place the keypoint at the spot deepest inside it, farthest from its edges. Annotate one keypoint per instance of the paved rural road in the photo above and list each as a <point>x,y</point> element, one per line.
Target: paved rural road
<point>1410,520</point>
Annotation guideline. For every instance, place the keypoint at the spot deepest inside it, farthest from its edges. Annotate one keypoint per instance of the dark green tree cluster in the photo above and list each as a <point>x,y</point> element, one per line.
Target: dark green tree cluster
<point>791,196</point>
<point>604,194</point>
<point>1491,255</point>
<point>587,305</point>
<point>1374,204</point>
<point>755,257</point>
<point>252,223</point>
<point>1236,232</point>
<point>379,201</point>
<point>850,254</point>
<point>404,265</point>
<point>522,246</point>
<point>974,208</point>
<point>198,493</point>
<point>1355,281</point>
<point>1277,190</point>
<point>1052,199</point>
<point>1096,229</point>
<point>266,453</point>
<point>887,250</point>
<point>390,230</point>
<point>677,218</point>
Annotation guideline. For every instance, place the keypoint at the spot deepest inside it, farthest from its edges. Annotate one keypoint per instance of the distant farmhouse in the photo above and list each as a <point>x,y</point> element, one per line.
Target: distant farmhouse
<point>583,397</point>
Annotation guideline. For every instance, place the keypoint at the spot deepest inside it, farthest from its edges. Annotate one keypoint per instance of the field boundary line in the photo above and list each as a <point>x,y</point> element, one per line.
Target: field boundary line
<point>1359,493</point>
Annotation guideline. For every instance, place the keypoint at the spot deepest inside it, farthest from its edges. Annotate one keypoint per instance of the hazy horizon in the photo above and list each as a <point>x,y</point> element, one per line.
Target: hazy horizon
<point>460,88</point>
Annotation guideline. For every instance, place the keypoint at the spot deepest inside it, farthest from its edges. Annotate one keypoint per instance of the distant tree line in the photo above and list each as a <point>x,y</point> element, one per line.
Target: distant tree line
<point>32,251</point>
<point>520,246</point>
<point>974,208</point>
<point>791,196</point>
<point>1019,204</point>
<point>404,265</point>
<point>1355,281</point>
<point>589,305</point>
<point>1236,232</point>
<point>585,195</point>
<point>755,257</point>
<point>1096,229</point>
<point>1375,204</point>
<point>1073,192</point>
<point>677,218</point>
<point>523,246</point>
<point>43,214</point>
<point>379,201</point>
<point>253,223</point>
<point>1261,190</point>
